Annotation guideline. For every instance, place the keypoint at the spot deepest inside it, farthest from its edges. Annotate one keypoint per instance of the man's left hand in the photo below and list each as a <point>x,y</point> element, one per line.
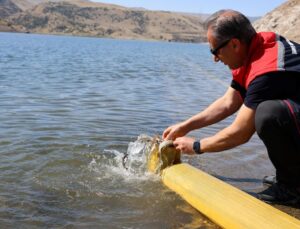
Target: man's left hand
<point>184,145</point>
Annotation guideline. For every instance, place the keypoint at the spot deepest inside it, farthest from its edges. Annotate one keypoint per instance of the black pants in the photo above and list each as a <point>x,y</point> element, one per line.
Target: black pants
<point>277,123</point>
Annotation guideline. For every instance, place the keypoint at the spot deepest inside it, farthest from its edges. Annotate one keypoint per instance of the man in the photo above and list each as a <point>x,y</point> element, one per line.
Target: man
<point>265,89</point>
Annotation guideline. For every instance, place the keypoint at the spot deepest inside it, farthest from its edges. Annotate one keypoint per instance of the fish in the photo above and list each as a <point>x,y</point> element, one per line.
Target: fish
<point>162,154</point>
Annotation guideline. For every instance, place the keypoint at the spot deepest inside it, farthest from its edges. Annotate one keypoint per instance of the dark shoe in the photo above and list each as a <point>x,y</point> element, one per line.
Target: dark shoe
<point>269,180</point>
<point>280,194</point>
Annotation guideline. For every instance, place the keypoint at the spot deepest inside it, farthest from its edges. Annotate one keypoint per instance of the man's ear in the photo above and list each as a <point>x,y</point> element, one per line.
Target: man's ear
<point>236,44</point>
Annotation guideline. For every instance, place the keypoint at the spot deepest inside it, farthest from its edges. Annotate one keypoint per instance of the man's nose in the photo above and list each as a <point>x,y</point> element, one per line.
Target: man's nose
<point>216,58</point>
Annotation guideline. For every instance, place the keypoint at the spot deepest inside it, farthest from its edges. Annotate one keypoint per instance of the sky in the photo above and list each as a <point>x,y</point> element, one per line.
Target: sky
<point>251,8</point>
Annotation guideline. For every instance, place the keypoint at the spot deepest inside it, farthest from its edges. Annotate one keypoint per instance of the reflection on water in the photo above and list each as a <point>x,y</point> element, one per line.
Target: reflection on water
<point>72,107</point>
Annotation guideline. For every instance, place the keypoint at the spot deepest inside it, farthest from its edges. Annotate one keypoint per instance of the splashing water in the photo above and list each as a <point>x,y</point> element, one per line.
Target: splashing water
<point>131,166</point>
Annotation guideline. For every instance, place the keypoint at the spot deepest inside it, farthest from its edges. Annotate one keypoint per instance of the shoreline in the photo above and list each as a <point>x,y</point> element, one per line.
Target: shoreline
<point>103,37</point>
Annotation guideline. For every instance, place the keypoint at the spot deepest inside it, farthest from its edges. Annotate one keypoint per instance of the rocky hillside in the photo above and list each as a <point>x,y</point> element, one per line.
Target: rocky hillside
<point>8,8</point>
<point>284,20</point>
<point>85,18</point>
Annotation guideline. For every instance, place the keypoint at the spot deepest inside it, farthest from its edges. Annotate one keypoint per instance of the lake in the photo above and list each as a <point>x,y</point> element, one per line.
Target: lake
<point>71,107</point>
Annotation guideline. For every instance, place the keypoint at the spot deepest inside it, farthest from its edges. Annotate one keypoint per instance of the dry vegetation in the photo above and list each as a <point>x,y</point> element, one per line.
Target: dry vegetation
<point>78,17</point>
<point>86,18</point>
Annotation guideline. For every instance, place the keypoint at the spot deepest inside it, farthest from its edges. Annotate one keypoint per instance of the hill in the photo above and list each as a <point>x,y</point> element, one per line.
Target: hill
<point>85,18</point>
<point>283,20</point>
<point>8,8</point>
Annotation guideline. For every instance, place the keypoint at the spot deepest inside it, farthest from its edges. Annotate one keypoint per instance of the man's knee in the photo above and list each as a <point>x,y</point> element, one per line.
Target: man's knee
<point>268,115</point>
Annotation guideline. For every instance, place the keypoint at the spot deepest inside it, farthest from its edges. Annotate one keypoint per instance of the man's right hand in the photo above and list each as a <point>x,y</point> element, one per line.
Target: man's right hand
<point>174,131</point>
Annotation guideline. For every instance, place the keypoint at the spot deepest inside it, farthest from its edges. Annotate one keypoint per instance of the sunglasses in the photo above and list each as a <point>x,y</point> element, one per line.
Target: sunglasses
<point>215,50</point>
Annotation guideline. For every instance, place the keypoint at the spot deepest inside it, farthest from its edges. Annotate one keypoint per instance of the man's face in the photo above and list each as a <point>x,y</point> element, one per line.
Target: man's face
<point>225,51</point>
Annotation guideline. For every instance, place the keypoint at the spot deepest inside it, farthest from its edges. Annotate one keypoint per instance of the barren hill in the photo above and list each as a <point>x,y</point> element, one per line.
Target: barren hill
<point>8,8</point>
<point>283,20</point>
<point>85,18</point>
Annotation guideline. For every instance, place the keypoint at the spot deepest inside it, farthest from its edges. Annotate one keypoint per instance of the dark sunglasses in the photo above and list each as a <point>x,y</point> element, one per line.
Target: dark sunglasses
<point>215,50</point>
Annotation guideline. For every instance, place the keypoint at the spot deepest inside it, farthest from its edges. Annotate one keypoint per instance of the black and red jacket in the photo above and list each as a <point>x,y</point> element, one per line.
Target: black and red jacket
<point>268,52</point>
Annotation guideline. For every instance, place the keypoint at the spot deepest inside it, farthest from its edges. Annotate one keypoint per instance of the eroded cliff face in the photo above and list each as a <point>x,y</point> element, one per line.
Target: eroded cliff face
<point>284,20</point>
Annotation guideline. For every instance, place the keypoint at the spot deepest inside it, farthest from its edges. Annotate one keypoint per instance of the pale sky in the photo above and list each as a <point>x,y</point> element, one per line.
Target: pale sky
<point>247,7</point>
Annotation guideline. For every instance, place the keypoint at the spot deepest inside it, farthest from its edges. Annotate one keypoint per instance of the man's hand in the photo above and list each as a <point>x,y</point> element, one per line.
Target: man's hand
<point>185,145</point>
<point>174,131</point>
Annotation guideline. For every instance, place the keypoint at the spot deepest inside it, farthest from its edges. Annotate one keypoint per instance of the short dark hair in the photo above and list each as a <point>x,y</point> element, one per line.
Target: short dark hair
<point>227,24</point>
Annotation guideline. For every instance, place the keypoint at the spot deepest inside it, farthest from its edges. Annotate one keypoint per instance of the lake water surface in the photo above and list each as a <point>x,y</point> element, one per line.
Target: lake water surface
<point>71,107</point>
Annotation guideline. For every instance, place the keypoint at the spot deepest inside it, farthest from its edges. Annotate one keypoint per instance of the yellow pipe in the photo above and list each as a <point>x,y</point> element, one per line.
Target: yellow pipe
<point>224,204</point>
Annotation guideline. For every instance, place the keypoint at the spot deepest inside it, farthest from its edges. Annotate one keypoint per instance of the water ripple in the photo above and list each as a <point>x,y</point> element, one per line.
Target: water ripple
<point>70,108</point>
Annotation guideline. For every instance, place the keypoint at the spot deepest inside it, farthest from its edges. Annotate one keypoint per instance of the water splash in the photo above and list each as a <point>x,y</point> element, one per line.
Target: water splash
<point>129,166</point>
